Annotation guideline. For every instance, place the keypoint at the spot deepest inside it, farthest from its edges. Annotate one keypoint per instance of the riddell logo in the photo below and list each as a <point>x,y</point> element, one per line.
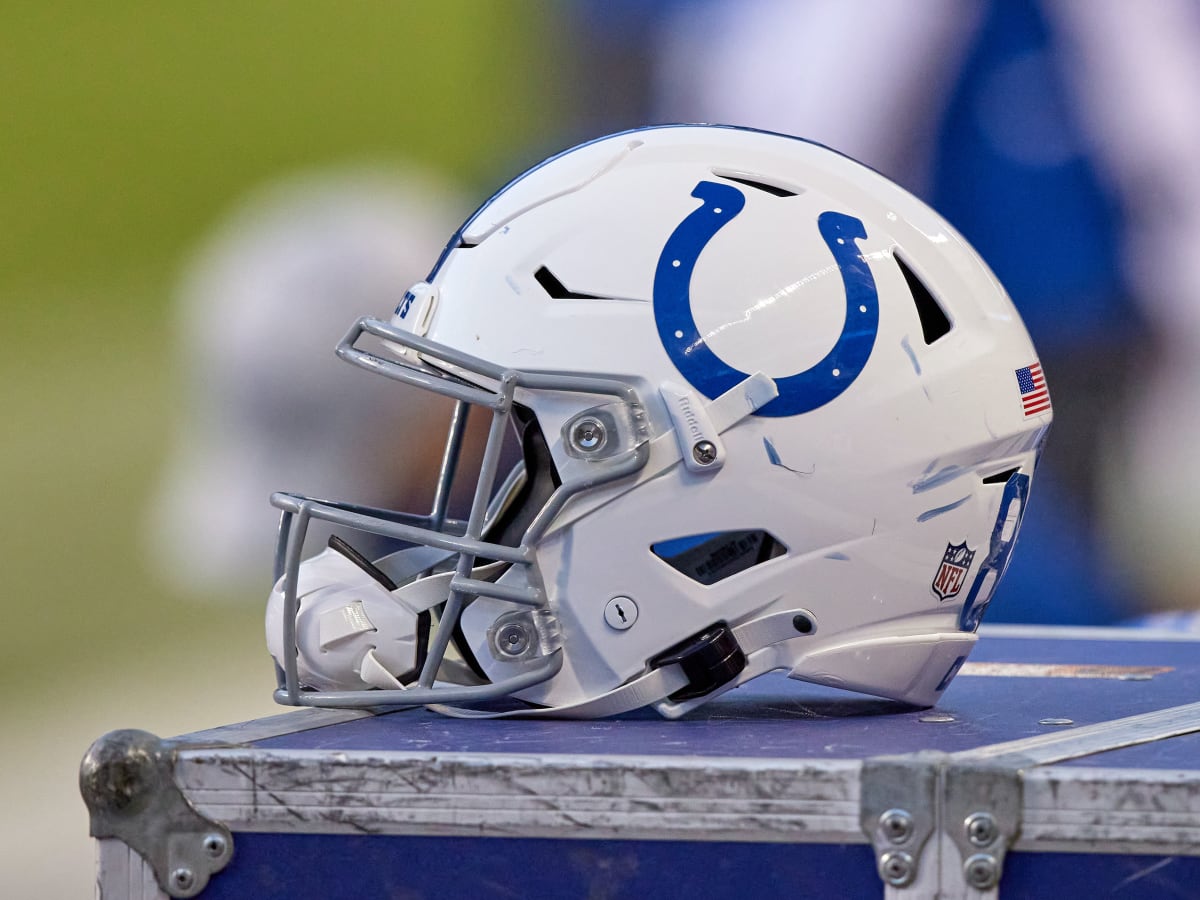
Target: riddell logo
<point>952,574</point>
<point>690,417</point>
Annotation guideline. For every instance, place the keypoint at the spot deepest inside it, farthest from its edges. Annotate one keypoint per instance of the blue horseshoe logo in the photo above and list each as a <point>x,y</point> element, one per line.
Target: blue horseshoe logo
<point>712,376</point>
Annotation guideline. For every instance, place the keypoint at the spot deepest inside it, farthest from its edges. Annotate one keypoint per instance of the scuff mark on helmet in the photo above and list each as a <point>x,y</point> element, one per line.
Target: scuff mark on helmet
<point>937,479</point>
<point>776,460</point>
<point>912,357</point>
<point>940,510</point>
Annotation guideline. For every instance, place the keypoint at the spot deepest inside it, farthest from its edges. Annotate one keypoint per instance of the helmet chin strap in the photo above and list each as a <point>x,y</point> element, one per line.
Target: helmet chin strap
<point>653,686</point>
<point>762,641</point>
<point>641,691</point>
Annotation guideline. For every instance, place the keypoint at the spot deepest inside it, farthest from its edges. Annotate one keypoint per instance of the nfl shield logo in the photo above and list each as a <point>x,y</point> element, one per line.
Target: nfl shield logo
<point>953,573</point>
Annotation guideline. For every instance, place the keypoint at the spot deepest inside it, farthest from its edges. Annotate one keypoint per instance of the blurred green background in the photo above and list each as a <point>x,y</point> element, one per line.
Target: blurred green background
<point>128,130</point>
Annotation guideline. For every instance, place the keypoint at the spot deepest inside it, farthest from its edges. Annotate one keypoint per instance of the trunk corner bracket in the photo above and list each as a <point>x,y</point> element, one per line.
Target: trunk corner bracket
<point>127,779</point>
<point>898,812</point>
<point>905,800</point>
<point>982,816</point>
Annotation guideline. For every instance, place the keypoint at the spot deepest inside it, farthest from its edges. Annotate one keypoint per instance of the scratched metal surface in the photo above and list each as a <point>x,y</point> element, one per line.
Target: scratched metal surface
<point>1182,753</point>
<point>777,717</point>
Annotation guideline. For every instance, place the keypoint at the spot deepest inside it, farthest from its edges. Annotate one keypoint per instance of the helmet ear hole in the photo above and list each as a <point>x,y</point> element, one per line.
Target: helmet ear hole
<point>709,558</point>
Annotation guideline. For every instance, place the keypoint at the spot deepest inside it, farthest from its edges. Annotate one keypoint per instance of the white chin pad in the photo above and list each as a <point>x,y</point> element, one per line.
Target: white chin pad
<point>345,614</point>
<point>352,633</point>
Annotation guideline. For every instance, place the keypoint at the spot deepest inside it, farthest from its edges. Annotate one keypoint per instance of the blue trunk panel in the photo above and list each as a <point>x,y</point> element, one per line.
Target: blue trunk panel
<point>1086,876</point>
<point>289,867</point>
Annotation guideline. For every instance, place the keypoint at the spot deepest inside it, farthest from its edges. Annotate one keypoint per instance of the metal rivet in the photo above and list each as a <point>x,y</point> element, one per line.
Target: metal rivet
<point>1056,721</point>
<point>803,624</point>
<point>588,435</point>
<point>620,613</point>
<point>982,871</point>
<point>512,639</point>
<point>183,879</point>
<point>897,868</point>
<point>981,829</point>
<point>214,845</point>
<point>896,825</point>
<point>704,452</point>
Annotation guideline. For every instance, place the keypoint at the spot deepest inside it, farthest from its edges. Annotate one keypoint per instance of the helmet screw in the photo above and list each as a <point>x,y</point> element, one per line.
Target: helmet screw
<point>982,871</point>
<point>183,879</point>
<point>897,825</point>
<point>620,613</point>
<point>214,845</point>
<point>981,829</point>
<point>588,435</point>
<point>897,868</point>
<point>704,452</point>
<point>512,639</point>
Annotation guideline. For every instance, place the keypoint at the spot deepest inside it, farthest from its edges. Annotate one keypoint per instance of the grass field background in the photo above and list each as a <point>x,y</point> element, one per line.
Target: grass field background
<point>128,130</point>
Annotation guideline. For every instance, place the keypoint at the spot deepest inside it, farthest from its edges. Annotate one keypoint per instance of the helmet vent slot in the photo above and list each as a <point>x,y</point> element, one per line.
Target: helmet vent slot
<point>774,190</point>
<point>935,323</point>
<point>557,290</point>
<point>713,557</point>
<point>1001,477</point>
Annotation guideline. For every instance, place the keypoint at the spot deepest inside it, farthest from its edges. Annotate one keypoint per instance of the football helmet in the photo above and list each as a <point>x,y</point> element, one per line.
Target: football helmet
<point>774,413</point>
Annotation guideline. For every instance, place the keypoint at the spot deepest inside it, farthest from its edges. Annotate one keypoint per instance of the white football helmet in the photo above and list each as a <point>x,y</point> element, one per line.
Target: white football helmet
<point>774,414</point>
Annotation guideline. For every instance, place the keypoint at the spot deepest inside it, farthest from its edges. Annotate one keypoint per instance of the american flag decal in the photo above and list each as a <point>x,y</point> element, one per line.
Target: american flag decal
<point>1035,396</point>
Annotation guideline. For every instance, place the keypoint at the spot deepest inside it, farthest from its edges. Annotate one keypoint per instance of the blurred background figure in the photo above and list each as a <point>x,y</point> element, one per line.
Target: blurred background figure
<point>266,404</point>
<point>132,131</point>
<point>1058,136</point>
